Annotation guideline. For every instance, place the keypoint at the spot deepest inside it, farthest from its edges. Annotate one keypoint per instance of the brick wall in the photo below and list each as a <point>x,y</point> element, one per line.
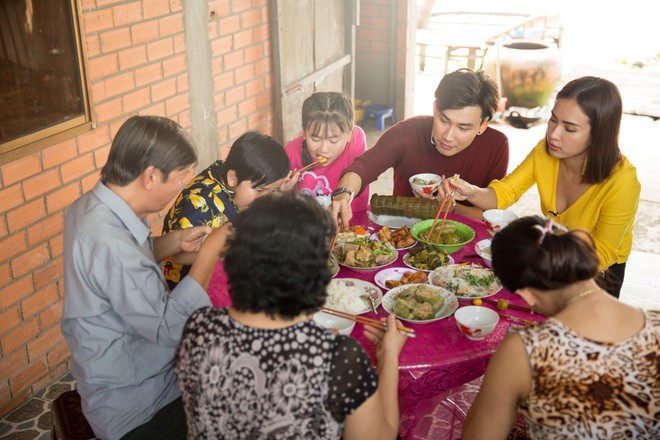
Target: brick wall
<point>136,55</point>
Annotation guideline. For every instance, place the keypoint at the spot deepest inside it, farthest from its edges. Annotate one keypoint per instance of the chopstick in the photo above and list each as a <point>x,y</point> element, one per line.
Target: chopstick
<point>509,306</point>
<point>514,318</point>
<point>320,160</point>
<point>368,321</point>
<point>445,199</point>
<point>333,241</point>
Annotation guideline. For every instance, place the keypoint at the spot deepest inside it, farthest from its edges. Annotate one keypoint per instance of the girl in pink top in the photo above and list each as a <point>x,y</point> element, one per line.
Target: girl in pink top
<point>329,132</point>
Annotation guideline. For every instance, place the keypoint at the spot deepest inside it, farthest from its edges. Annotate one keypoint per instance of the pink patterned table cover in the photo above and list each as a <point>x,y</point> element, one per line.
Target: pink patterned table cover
<point>439,358</point>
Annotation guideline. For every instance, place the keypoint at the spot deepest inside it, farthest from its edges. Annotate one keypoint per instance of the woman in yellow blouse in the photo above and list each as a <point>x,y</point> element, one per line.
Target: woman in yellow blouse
<point>583,179</point>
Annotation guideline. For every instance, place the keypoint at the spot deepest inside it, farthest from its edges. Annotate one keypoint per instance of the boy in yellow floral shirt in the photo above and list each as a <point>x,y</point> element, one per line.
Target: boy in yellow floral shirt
<point>256,165</point>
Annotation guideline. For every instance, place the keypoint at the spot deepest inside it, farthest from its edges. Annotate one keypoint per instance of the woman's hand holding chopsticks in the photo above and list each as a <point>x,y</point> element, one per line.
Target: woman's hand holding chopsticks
<point>389,342</point>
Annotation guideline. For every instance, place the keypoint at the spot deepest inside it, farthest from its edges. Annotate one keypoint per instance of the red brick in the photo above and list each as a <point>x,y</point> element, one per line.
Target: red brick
<point>58,355</point>
<point>127,13</point>
<point>255,120</point>
<point>160,49</point>
<point>143,32</point>
<point>229,25</point>
<point>176,104</point>
<point>254,53</point>
<point>265,99</point>
<point>88,182</point>
<point>87,5</point>
<point>5,275</point>
<point>179,42</point>
<point>163,89</point>
<point>25,214</point>
<point>93,139</point>
<point>219,8</point>
<point>19,336</point>
<point>77,167</point>
<point>20,169</point>
<point>247,107</point>
<point>93,46</point>
<point>97,20</point>
<point>156,8</point>
<point>132,57</point>
<point>46,340</point>
<point>148,74</point>
<point>254,87</point>
<point>115,39</point>
<point>226,115</point>
<point>176,6</point>
<point>169,25</point>
<point>10,198</point>
<point>34,371</point>
<point>174,65</point>
<point>98,91</point>
<point>221,46</point>
<point>51,315</point>
<point>101,156</point>
<point>46,228</point>
<point>12,401</point>
<point>245,73</point>
<point>233,60</point>
<point>55,155</point>
<point>262,66</point>
<point>262,33</point>
<point>12,245</point>
<point>251,18</point>
<point>30,260</point>
<point>182,83</point>
<point>237,128</point>
<point>235,95</point>
<point>157,109</point>
<point>119,84</point>
<point>14,292</point>
<point>108,110</point>
<point>3,227</point>
<point>56,245</point>
<point>9,318</point>
<point>54,373</point>
<point>243,39</point>
<point>103,66</point>
<point>240,5</point>
<point>40,184</point>
<point>48,273</point>
<point>185,119</point>
<point>12,363</point>
<point>63,197</point>
<point>130,103</point>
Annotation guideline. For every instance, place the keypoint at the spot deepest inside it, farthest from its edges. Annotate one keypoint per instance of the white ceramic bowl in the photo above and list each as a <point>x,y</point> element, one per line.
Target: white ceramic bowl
<point>483,250</point>
<point>427,188</point>
<point>476,322</point>
<point>496,219</point>
<point>343,326</point>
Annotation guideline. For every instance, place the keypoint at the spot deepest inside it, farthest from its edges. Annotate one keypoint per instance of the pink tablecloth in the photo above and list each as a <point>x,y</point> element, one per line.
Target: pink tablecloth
<point>440,357</point>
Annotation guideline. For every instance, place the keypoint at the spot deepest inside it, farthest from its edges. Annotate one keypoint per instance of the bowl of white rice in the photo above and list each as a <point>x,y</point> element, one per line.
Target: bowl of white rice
<point>344,294</point>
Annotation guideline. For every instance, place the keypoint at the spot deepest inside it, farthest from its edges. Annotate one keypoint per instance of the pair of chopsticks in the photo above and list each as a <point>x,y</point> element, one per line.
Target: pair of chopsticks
<point>445,200</point>
<point>320,160</point>
<point>510,306</point>
<point>515,318</point>
<point>368,321</point>
<point>334,240</point>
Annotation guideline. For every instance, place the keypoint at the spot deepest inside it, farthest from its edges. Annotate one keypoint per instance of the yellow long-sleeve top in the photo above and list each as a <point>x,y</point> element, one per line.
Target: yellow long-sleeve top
<point>607,209</point>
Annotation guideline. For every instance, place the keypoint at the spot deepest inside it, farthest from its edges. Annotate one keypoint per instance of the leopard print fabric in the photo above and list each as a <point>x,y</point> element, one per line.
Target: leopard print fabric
<point>582,389</point>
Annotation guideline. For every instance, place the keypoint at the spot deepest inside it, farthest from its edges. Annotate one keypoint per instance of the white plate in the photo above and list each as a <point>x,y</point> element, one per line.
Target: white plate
<point>448,308</point>
<point>374,236</point>
<point>366,288</point>
<point>393,221</point>
<point>391,273</point>
<point>451,261</point>
<point>444,277</point>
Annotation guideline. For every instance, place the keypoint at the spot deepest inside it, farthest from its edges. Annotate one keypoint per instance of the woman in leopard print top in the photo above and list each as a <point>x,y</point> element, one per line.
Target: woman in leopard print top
<point>590,370</point>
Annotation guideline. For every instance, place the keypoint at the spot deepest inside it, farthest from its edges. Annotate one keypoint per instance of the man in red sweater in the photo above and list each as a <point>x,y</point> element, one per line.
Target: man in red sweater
<point>455,140</point>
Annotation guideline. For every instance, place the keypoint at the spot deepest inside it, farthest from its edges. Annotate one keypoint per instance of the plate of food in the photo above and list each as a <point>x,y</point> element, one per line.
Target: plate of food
<point>349,295</point>
<point>354,233</point>
<point>420,303</point>
<point>365,254</point>
<point>426,258</point>
<point>466,280</point>
<point>399,238</point>
<point>391,277</point>
<point>393,221</point>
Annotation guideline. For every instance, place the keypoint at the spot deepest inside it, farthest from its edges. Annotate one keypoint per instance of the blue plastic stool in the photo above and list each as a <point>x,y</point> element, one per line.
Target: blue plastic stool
<point>379,113</point>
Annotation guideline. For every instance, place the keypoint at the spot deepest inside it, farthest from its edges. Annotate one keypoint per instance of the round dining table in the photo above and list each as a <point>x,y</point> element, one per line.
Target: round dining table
<point>439,358</point>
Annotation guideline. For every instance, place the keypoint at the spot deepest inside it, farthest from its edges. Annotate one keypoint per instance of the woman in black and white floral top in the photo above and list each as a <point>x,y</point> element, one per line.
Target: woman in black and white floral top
<point>262,369</point>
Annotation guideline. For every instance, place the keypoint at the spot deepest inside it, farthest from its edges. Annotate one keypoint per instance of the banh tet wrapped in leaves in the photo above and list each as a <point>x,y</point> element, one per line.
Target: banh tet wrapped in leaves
<point>404,206</point>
